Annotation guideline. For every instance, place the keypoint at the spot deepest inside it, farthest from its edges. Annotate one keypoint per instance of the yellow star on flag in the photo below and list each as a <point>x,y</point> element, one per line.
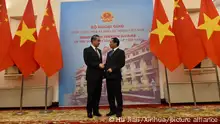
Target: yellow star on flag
<point>26,34</point>
<point>176,4</point>
<point>47,28</point>
<point>162,30</point>
<point>46,14</point>
<point>175,18</point>
<point>210,25</point>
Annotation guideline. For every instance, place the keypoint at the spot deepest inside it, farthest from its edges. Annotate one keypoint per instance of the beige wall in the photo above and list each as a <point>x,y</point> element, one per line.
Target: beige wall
<point>16,8</point>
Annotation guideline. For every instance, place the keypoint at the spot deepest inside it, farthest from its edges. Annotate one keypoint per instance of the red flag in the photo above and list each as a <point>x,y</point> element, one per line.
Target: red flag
<point>190,46</point>
<point>209,29</point>
<point>22,49</point>
<point>48,49</point>
<point>5,39</point>
<point>162,40</point>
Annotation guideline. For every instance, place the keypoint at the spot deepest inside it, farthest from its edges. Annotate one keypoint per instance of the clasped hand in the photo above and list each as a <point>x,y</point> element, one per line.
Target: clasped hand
<point>102,66</point>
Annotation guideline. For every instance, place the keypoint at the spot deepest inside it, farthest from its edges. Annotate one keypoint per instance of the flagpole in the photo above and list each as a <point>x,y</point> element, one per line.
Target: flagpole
<point>217,77</point>
<point>193,91</point>
<point>168,90</point>
<point>46,94</point>
<point>21,97</point>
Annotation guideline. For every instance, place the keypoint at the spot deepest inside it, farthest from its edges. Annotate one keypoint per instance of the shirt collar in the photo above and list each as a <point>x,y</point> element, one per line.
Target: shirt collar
<point>93,47</point>
<point>115,48</point>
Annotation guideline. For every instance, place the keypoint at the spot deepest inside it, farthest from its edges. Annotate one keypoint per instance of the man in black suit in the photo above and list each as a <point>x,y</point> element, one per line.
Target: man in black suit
<point>94,75</point>
<point>115,61</point>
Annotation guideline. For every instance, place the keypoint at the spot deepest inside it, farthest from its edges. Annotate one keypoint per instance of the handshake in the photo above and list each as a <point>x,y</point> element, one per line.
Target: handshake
<point>102,66</point>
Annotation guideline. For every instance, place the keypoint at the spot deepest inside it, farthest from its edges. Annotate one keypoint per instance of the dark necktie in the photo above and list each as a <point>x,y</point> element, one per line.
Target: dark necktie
<point>97,51</point>
<point>111,52</point>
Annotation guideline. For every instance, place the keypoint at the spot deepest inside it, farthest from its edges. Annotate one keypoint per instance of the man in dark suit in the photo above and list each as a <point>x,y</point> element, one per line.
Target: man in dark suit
<point>94,75</point>
<point>115,61</point>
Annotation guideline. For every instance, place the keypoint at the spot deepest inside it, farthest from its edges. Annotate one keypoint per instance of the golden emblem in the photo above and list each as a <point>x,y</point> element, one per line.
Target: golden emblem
<point>107,17</point>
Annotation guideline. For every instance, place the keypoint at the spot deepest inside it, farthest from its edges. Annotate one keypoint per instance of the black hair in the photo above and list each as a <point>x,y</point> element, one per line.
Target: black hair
<point>94,37</point>
<point>116,40</point>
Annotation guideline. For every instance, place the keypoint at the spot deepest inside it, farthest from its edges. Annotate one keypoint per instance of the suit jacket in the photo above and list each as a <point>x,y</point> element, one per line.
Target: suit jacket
<point>116,61</point>
<point>92,60</point>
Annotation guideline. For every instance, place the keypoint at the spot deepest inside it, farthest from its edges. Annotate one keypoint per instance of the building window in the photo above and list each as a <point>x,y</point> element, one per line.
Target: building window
<point>134,54</point>
<point>147,49</point>
<point>129,80</point>
<point>139,80</point>
<point>128,67</point>
<point>148,62</point>
<point>137,64</point>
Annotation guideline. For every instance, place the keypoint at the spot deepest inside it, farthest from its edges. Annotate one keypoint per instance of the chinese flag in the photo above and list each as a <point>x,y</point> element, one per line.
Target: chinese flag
<point>22,48</point>
<point>209,29</point>
<point>5,39</point>
<point>190,45</point>
<point>48,49</point>
<point>162,40</point>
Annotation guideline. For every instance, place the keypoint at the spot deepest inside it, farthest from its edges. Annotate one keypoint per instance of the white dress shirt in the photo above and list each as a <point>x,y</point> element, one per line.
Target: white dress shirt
<point>96,49</point>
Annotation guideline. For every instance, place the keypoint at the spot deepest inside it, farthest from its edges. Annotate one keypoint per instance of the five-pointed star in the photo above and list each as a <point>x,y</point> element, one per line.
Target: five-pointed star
<point>162,30</point>
<point>175,18</point>
<point>26,34</point>
<point>176,4</point>
<point>46,13</point>
<point>210,25</point>
<point>47,28</point>
<point>5,20</point>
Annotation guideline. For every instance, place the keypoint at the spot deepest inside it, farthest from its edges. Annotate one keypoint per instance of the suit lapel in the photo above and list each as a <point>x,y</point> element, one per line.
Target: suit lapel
<point>94,51</point>
<point>97,53</point>
<point>115,52</point>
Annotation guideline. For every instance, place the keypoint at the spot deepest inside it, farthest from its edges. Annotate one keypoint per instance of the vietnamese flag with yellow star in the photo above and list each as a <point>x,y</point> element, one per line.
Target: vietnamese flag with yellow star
<point>191,49</point>
<point>162,40</point>
<point>48,49</point>
<point>23,44</point>
<point>5,38</point>
<point>209,30</point>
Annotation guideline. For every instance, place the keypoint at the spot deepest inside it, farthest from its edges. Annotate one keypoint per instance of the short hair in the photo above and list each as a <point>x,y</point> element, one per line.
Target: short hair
<point>116,40</point>
<point>94,37</point>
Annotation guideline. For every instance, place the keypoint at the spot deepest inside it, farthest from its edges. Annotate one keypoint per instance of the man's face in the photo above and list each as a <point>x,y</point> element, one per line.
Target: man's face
<point>96,42</point>
<point>112,44</point>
